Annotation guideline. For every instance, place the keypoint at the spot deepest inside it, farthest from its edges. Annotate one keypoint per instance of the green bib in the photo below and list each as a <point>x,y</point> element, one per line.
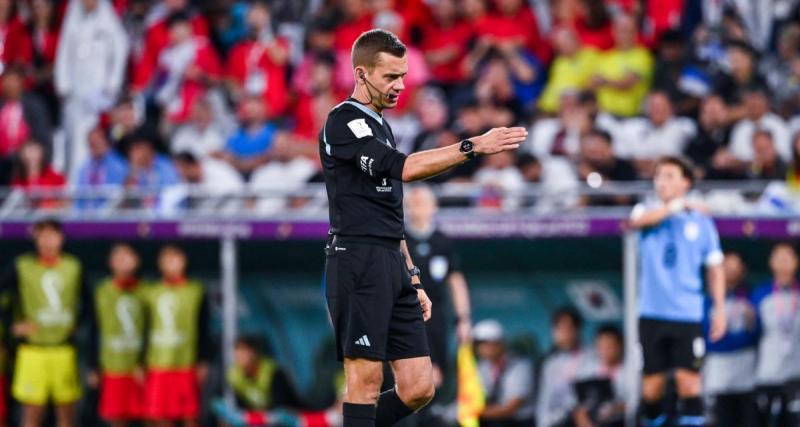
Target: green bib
<point>49,297</point>
<point>174,314</point>
<point>4,300</point>
<point>121,319</point>
<point>256,392</point>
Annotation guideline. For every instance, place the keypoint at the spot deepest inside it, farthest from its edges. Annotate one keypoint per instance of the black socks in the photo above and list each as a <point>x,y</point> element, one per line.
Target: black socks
<point>653,414</point>
<point>358,415</point>
<point>690,412</point>
<point>390,409</point>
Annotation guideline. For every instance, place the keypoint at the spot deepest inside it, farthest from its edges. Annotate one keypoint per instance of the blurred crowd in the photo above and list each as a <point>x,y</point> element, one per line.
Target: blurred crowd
<point>149,94</point>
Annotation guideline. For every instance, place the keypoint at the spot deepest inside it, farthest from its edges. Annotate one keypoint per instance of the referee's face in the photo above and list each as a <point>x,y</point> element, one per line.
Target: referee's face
<point>387,77</point>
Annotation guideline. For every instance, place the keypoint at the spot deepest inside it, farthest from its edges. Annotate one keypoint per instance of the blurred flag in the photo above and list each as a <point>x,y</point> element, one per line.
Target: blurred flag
<point>471,399</point>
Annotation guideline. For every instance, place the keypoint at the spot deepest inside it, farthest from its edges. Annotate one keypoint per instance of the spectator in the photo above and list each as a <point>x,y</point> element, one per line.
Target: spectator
<point>157,38</point>
<point>507,380</point>
<point>431,109</point>
<point>258,380</point>
<point>597,164</point>
<point>33,172</point>
<point>250,147</point>
<point>589,19</point>
<point>499,179</point>
<point>89,71</point>
<point>766,163</point>
<point>315,99</point>
<point>257,67</point>
<point>729,368</point>
<point>741,78</point>
<point>148,170</point>
<point>48,289</point>
<point>188,66</point>
<point>104,166</point>
<point>600,384</point>
<point>44,30</point>
<point>210,176</point>
<point>126,120</point>
<point>355,18</point>
<point>571,70</point>
<point>507,75</point>
<point>660,133</point>
<point>318,43</point>
<point>178,340</point>
<point>758,116</point>
<point>23,115</point>
<point>121,314</point>
<point>709,148</point>
<point>201,135</point>
<point>444,44</point>
<point>623,73</point>
<point>678,76</point>
<point>556,401</point>
<point>560,136</point>
<point>777,370</point>
<point>15,47</point>
<point>782,71</point>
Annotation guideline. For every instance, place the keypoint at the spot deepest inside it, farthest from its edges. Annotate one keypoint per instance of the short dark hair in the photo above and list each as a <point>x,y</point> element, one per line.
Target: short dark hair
<point>568,312</point>
<point>609,330</point>
<point>179,17</point>
<point>186,157</point>
<point>686,167</point>
<point>600,133</point>
<point>171,247</point>
<point>371,43</point>
<point>48,223</point>
<point>251,342</point>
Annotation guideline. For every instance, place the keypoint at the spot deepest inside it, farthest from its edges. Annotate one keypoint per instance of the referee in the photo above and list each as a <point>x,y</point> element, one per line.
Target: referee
<point>676,242</point>
<point>375,298</point>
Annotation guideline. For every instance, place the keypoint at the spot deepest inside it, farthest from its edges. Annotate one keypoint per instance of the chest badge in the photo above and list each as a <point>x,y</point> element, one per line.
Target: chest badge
<point>691,231</point>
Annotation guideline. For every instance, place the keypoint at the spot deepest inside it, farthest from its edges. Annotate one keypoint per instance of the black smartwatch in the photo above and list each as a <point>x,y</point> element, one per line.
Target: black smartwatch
<point>468,148</point>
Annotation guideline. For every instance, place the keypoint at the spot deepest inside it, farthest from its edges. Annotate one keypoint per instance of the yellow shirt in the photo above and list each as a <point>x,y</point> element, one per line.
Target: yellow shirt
<point>567,73</point>
<point>614,65</point>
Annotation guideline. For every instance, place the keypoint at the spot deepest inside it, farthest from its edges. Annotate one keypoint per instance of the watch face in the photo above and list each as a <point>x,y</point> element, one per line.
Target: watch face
<point>466,146</point>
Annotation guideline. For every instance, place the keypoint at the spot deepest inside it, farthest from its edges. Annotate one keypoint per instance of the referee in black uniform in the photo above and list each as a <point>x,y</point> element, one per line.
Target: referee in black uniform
<point>375,298</point>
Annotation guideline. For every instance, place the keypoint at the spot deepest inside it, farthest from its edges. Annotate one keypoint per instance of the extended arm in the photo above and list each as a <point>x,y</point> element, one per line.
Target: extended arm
<point>428,163</point>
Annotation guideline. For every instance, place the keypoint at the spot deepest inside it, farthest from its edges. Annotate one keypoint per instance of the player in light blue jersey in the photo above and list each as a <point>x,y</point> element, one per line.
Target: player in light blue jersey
<point>677,242</point>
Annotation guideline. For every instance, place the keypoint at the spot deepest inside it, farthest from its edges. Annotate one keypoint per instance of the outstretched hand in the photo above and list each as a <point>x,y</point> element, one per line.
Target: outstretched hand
<point>499,139</point>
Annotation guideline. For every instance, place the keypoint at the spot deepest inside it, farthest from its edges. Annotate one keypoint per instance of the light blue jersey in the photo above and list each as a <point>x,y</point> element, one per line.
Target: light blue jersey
<point>672,255</point>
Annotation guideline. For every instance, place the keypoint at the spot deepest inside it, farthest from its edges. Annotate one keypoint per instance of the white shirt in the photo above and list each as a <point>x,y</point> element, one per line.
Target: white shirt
<point>199,142</point>
<point>741,145</point>
<point>638,138</point>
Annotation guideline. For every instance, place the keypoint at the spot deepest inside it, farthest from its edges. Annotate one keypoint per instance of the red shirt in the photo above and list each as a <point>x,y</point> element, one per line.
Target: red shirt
<point>250,67</point>
<point>522,26</point>
<point>347,33</point>
<point>48,179</point>
<point>311,111</point>
<point>44,45</point>
<point>456,37</point>
<point>191,90</point>
<point>659,17</point>
<point>14,130</point>
<point>15,43</point>
<point>155,40</point>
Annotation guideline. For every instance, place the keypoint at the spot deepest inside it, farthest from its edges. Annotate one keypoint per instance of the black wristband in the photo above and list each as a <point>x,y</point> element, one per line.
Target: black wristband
<point>417,286</point>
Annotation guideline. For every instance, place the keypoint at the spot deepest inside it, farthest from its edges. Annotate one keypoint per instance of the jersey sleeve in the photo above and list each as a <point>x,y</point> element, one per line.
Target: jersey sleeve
<point>712,255</point>
<point>347,136</point>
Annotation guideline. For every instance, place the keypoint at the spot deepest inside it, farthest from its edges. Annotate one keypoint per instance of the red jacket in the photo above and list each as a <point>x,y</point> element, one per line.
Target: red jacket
<point>155,40</point>
<point>249,60</point>
<point>15,43</point>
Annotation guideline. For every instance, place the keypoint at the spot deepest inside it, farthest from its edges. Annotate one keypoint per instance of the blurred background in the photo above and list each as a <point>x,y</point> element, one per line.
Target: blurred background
<point>195,123</point>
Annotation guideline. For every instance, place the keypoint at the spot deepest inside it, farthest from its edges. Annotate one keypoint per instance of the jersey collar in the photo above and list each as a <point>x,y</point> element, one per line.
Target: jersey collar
<point>368,111</point>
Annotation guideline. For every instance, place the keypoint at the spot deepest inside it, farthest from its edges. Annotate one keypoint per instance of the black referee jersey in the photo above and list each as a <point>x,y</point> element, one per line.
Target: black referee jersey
<point>363,172</point>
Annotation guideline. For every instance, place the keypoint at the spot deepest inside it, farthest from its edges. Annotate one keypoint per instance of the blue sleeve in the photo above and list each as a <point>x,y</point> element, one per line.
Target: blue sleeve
<point>712,243</point>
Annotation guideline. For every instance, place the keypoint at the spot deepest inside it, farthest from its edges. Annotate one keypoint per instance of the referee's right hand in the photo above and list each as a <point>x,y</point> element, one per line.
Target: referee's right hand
<point>499,139</point>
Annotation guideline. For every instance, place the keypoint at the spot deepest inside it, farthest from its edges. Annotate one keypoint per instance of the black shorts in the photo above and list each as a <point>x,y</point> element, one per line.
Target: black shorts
<point>667,345</point>
<point>373,307</point>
